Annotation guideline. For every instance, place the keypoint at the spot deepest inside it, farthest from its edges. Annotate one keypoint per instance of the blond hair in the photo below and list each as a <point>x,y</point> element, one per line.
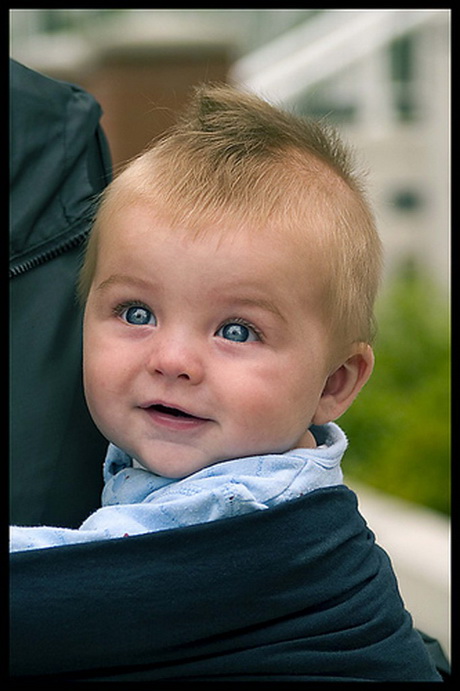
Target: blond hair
<point>233,153</point>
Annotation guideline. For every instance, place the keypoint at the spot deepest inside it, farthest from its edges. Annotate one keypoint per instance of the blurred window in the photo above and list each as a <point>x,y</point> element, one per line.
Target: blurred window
<point>402,71</point>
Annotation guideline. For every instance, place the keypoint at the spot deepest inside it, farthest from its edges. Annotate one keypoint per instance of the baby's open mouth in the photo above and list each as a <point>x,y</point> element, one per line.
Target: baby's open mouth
<point>174,412</point>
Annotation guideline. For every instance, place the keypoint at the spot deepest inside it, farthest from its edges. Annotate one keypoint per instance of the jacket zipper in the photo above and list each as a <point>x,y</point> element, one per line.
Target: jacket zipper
<point>47,255</point>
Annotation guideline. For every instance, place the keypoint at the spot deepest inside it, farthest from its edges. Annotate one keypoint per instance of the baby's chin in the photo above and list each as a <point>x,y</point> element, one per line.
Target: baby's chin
<point>176,463</point>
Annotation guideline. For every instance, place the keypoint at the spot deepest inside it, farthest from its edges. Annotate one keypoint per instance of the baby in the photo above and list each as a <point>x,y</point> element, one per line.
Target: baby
<point>228,285</point>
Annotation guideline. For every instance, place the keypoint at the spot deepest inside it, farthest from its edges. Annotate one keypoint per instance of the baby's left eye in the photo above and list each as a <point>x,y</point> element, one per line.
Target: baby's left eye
<point>238,333</point>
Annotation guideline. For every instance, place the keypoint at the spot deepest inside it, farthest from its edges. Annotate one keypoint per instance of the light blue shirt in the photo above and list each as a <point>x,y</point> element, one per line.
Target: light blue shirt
<point>136,501</point>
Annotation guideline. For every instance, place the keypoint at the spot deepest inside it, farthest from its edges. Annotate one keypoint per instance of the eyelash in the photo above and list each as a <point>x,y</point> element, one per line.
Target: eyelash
<point>123,306</point>
<point>119,309</point>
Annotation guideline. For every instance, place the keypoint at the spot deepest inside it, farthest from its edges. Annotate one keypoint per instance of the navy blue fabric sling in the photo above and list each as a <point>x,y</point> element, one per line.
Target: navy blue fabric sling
<point>295,593</point>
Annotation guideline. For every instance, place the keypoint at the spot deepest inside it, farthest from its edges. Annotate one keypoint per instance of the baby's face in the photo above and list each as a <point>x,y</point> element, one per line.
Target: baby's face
<point>201,350</point>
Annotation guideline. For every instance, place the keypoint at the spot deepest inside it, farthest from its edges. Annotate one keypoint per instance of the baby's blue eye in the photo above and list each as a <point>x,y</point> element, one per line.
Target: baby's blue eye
<point>138,316</point>
<point>238,333</point>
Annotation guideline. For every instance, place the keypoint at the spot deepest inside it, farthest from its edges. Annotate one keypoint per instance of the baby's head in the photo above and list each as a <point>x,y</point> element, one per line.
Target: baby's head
<point>229,285</point>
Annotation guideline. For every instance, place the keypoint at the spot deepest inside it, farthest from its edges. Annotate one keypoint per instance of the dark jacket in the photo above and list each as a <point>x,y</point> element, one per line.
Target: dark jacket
<point>59,165</point>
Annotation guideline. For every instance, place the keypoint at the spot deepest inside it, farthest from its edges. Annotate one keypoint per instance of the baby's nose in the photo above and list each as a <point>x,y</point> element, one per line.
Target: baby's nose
<point>177,358</point>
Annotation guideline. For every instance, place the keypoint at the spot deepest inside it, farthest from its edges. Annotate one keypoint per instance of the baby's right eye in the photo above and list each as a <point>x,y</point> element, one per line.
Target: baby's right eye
<point>136,315</point>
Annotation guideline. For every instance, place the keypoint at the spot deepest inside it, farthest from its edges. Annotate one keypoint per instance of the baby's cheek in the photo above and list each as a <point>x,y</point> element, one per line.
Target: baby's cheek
<point>259,412</point>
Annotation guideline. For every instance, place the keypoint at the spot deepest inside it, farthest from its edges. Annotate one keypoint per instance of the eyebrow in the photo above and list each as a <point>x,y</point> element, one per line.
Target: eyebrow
<point>237,301</point>
<point>261,303</point>
<point>123,279</point>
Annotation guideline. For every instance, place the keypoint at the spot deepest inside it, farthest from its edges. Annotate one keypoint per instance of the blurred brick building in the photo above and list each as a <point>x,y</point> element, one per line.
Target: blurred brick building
<point>141,89</point>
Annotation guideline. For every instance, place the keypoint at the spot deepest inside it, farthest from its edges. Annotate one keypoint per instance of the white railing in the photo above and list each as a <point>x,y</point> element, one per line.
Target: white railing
<point>321,47</point>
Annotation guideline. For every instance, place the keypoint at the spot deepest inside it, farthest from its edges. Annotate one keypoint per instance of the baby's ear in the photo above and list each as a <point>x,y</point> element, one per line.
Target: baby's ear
<point>344,384</point>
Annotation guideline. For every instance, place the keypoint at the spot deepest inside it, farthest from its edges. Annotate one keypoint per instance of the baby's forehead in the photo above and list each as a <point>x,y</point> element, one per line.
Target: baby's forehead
<point>152,225</point>
<point>224,248</point>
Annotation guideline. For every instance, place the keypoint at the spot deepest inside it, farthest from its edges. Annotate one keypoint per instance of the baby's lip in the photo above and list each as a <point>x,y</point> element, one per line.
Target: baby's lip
<point>171,409</point>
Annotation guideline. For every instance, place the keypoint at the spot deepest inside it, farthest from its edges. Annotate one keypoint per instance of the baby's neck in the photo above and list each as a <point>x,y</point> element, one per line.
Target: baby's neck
<point>306,441</point>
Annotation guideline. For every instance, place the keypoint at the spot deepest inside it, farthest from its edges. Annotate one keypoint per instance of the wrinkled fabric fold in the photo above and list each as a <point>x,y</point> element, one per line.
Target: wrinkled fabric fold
<point>299,592</point>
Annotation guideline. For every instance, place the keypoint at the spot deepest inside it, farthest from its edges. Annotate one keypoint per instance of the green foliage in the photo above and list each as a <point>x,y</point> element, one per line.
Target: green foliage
<point>399,426</point>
